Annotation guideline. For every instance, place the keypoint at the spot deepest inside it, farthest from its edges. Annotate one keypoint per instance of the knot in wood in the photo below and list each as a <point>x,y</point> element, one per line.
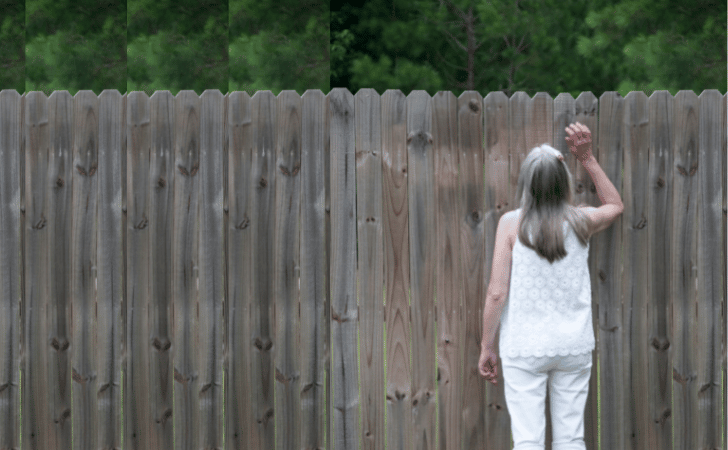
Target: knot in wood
<point>473,105</point>
<point>59,345</point>
<point>161,344</point>
<point>660,344</point>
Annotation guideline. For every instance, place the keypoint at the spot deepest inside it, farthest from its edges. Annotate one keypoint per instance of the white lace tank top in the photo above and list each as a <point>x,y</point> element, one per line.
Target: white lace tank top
<point>549,310</point>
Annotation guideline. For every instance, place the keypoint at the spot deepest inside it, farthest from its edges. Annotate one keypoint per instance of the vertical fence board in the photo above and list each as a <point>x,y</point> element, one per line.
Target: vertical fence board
<point>211,266</point>
<point>447,112</point>
<point>370,260</point>
<point>585,111</point>
<point>608,244</point>
<point>36,431</point>
<point>239,390</point>
<point>635,143</point>
<point>477,241</point>
<point>313,267</point>
<point>683,277</point>
<point>287,239</point>
<point>396,269</point>
<point>708,266</point>
<point>724,265</point>
<point>84,317</point>
<point>225,261</point>
<point>11,264</point>
<point>109,271</point>
<point>137,407</point>
<point>124,261</point>
<point>471,218</point>
<point>657,335</point>
<point>327,341</point>
<point>161,189</point>
<point>262,307</point>
<point>421,203</point>
<point>344,314</point>
<point>187,113</point>
<point>60,220</point>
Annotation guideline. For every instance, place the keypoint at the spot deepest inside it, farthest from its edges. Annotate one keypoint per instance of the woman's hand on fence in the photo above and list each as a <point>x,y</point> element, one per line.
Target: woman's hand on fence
<point>579,140</point>
<point>488,364</point>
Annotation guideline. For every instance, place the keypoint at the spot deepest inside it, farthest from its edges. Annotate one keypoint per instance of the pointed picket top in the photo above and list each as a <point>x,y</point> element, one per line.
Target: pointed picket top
<point>110,93</point>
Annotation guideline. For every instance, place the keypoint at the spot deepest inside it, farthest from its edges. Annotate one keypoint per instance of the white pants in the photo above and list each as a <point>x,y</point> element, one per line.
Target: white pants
<point>525,382</point>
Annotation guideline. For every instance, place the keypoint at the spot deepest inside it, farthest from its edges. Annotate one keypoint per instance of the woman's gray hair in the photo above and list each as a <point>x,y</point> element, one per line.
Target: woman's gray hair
<point>546,193</point>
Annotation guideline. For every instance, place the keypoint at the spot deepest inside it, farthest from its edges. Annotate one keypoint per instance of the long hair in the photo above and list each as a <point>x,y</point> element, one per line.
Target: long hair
<point>546,193</point>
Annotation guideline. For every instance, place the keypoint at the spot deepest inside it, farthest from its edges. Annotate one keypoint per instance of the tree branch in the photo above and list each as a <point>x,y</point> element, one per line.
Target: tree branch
<point>452,8</point>
<point>450,64</point>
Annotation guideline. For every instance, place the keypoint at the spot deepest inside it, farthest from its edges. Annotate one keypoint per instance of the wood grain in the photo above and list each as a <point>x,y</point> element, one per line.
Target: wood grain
<point>370,263</point>
<point>344,311</point>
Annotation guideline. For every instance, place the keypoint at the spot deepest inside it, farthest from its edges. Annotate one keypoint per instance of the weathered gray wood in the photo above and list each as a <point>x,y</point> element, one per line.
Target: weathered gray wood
<point>584,110</point>
<point>124,259</point>
<point>109,269</point>
<point>659,204</point>
<point>160,181</point>
<point>724,261</point>
<point>185,236</point>
<point>60,220</point>
<point>626,339</point>
<point>344,313</point>
<point>614,395</point>
<point>708,264</point>
<point>138,425</point>
<point>211,267</point>
<point>684,268</point>
<point>421,202</point>
<point>37,413</point>
<point>225,250</point>
<point>12,222</point>
<point>86,116</point>
<point>287,258</point>
<point>635,144</point>
<point>237,380</point>
<point>396,270</point>
<point>371,266</point>
<point>312,274</point>
<point>447,144</point>
<point>262,313</point>
<point>327,276</point>
<point>238,388</point>
<point>477,245</point>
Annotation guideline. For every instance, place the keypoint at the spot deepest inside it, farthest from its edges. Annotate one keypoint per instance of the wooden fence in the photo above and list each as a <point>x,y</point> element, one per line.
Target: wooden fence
<point>211,256</point>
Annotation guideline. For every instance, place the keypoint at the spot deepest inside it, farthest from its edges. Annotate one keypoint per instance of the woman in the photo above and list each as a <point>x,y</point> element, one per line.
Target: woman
<point>546,334</point>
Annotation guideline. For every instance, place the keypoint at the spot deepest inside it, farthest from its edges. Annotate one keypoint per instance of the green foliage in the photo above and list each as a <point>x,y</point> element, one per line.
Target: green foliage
<point>165,45</point>
<point>177,45</point>
<point>549,46</point>
<point>73,45</point>
<point>279,44</point>
<point>12,55</point>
